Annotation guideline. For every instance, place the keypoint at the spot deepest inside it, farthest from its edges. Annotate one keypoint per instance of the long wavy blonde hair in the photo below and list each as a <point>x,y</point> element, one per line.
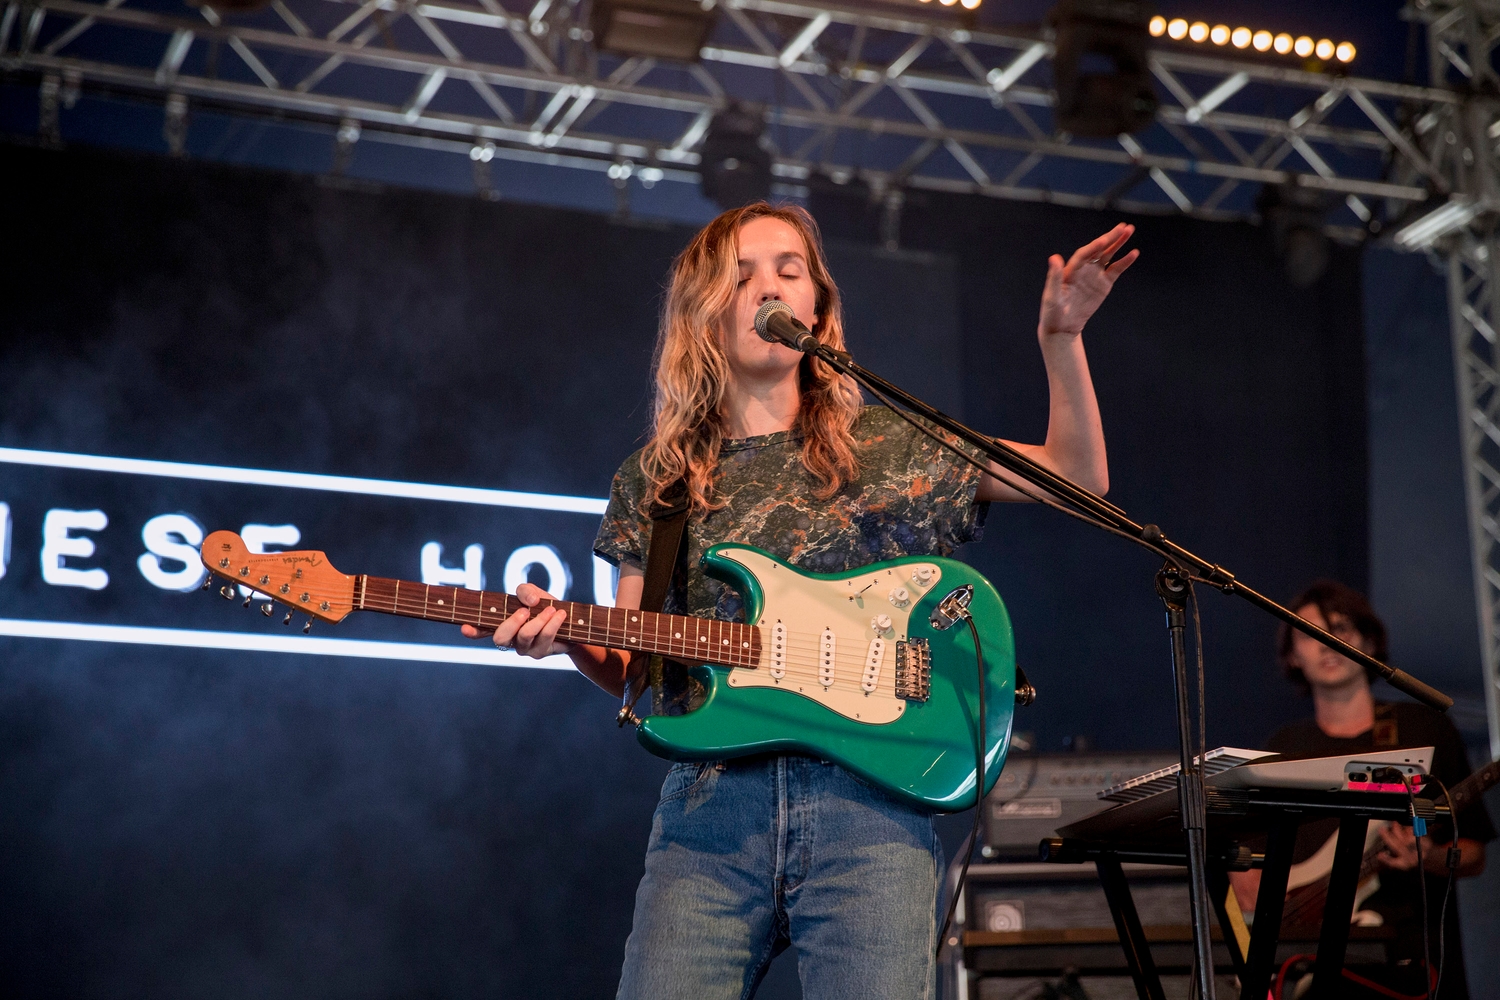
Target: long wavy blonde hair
<point>692,370</point>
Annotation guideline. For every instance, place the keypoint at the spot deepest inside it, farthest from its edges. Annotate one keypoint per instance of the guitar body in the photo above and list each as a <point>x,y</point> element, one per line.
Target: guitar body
<point>839,695</point>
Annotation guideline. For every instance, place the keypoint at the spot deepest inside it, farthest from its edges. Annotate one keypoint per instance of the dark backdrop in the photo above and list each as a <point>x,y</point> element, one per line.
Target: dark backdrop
<point>1234,410</point>
<point>183,823</point>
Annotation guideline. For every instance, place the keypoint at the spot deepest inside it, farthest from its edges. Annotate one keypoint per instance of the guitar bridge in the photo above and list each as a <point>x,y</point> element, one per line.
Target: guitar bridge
<point>913,670</point>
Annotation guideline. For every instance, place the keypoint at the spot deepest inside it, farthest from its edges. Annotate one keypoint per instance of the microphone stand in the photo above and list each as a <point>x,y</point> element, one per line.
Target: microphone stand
<point>1173,583</point>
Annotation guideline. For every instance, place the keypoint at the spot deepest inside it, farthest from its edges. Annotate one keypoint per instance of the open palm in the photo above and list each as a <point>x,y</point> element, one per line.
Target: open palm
<point>1075,289</point>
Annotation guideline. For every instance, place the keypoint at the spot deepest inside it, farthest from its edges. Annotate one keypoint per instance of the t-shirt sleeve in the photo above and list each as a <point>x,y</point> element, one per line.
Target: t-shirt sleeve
<point>625,532</point>
<point>957,517</point>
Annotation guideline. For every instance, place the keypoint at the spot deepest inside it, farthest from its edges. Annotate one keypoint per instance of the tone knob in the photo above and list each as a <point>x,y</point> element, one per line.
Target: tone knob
<point>880,622</point>
<point>900,597</point>
<point>921,575</point>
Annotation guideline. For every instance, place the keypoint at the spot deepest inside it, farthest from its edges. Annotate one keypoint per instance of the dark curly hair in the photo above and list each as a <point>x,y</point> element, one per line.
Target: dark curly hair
<point>1332,598</point>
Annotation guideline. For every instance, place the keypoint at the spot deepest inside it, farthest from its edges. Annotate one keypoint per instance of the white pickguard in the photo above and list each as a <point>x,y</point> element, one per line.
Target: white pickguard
<point>819,614</point>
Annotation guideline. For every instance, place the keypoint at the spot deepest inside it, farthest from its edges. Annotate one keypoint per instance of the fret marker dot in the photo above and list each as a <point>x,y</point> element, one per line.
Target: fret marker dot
<point>440,600</point>
<point>703,638</point>
<point>633,618</point>
<point>726,642</point>
<point>632,638</point>
<point>745,644</point>
<point>493,609</point>
<point>677,635</point>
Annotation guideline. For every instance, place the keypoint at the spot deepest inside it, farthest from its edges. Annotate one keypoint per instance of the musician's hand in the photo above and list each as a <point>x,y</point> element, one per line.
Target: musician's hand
<point>530,633</point>
<point>1399,847</point>
<point>1076,288</point>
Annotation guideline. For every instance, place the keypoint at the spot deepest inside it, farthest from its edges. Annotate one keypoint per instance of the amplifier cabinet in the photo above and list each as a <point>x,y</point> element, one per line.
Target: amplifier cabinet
<point>1037,793</point>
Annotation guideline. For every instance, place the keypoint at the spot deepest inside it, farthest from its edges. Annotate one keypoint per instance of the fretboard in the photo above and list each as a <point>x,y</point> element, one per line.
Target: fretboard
<point>702,640</point>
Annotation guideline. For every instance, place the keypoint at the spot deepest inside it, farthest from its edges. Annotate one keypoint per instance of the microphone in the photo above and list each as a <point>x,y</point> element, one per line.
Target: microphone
<point>776,323</point>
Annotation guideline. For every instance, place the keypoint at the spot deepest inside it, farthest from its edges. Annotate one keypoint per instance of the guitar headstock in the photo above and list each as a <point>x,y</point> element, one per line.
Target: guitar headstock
<point>302,580</point>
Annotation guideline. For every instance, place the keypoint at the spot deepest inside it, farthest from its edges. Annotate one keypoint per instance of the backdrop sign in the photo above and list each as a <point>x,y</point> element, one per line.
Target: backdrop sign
<point>111,538</point>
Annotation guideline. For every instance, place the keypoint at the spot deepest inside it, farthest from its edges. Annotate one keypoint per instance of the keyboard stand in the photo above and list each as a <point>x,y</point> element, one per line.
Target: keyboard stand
<point>1146,831</point>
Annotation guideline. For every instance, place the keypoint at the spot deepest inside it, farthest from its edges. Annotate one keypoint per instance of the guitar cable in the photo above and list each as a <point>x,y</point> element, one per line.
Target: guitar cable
<point>979,762</point>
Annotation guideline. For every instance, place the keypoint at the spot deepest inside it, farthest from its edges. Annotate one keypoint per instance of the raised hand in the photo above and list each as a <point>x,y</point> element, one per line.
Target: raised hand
<point>530,633</point>
<point>1075,289</point>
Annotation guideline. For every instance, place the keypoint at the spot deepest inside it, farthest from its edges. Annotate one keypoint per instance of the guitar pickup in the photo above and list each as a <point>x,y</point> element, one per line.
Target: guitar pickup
<point>913,669</point>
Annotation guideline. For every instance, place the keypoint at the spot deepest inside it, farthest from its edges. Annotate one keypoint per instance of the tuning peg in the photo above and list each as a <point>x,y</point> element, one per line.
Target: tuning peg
<point>265,609</point>
<point>208,581</point>
<point>226,592</point>
<point>248,598</point>
<point>307,626</point>
<point>288,619</point>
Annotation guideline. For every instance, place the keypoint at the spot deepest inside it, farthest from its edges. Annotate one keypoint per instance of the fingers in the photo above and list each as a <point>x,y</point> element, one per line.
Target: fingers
<point>1120,266</point>
<point>1102,249</point>
<point>531,633</point>
<point>531,595</point>
<point>1055,270</point>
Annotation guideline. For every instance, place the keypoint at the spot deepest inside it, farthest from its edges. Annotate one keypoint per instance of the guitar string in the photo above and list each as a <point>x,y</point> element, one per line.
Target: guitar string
<point>410,607</point>
<point>316,595</point>
<point>845,661</point>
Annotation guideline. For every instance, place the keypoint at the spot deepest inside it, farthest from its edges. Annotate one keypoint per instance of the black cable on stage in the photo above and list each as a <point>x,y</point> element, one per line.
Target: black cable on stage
<point>1455,854</point>
<point>979,768</point>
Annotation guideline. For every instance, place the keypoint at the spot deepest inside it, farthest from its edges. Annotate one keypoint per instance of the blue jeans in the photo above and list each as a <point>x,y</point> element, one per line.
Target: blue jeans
<point>750,856</point>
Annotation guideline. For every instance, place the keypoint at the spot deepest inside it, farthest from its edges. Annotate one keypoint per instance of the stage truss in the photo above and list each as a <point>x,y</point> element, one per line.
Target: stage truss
<point>1461,141</point>
<point>890,95</point>
<point>885,96</point>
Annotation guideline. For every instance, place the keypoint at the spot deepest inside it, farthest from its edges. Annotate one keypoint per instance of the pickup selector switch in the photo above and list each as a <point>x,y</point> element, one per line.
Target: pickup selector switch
<point>900,597</point>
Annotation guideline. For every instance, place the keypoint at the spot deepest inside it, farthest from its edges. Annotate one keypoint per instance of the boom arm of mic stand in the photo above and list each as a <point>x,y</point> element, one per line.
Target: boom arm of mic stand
<point>1149,535</point>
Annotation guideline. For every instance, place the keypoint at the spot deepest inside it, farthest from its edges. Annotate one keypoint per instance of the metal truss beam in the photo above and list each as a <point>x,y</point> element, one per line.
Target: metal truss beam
<point>850,92</point>
<point>1458,146</point>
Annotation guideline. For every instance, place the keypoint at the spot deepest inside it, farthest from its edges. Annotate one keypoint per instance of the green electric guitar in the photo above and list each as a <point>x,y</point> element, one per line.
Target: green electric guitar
<point>874,668</point>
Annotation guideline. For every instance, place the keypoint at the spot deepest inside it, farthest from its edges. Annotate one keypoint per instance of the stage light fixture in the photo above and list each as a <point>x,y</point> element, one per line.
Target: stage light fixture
<point>1100,72</point>
<point>969,4</point>
<point>659,29</point>
<point>735,162</point>
<point>1242,37</point>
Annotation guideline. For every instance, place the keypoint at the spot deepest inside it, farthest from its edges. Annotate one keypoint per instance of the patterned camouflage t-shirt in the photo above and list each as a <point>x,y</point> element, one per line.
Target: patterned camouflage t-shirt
<point>913,497</point>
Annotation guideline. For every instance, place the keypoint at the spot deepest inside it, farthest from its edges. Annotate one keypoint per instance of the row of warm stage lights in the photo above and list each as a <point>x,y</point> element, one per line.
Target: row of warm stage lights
<point>966,4</point>
<point>1262,41</point>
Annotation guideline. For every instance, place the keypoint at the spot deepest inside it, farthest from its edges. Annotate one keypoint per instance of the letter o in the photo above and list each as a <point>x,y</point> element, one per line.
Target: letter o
<point>545,556</point>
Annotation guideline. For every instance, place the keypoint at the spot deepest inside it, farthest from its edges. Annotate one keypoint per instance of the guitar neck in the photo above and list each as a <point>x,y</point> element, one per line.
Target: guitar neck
<point>1473,786</point>
<point>700,640</point>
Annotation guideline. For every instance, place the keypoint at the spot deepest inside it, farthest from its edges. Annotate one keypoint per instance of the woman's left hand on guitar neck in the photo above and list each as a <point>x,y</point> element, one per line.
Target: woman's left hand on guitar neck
<point>1399,852</point>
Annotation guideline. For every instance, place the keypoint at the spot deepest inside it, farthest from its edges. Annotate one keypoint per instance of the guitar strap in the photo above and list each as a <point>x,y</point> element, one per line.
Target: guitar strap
<point>663,555</point>
<point>1385,735</point>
